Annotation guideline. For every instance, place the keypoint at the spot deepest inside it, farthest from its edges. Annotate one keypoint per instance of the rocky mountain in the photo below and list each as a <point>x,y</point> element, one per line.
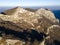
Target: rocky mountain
<point>22,21</point>
<point>54,33</point>
<point>48,14</point>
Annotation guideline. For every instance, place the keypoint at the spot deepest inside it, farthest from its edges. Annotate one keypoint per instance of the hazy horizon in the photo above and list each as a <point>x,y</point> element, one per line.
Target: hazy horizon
<point>33,7</point>
<point>34,4</point>
<point>29,3</point>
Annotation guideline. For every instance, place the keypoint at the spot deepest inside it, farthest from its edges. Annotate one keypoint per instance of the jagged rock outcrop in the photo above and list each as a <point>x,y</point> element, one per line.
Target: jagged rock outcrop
<point>54,33</point>
<point>15,11</point>
<point>48,14</point>
<point>19,19</point>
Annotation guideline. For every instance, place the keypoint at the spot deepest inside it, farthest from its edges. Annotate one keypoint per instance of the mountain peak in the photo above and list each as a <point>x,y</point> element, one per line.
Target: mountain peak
<point>14,11</point>
<point>47,13</point>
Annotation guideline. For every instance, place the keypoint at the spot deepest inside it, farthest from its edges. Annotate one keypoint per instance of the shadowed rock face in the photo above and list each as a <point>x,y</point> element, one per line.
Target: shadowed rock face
<point>25,35</point>
<point>57,42</point>
<point>31,27</point>
<point>3,13</point>
<point>34,35</point>
<point>54,33</point>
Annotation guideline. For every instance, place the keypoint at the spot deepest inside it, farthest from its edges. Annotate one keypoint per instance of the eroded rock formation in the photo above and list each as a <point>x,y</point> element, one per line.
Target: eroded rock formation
<point>22,21</point>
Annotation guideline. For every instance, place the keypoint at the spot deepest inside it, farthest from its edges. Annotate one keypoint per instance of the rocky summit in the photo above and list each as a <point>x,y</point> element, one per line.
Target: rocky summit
<point>48,14</point>
<point>29,28</point>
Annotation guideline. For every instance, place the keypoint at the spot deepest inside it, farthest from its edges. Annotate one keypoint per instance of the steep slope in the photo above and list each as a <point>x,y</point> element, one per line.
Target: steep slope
<point>54,33</point>
<point>48,14</point>
<point>24,19</point>
<point>14,11</point>
<point>35,23</point>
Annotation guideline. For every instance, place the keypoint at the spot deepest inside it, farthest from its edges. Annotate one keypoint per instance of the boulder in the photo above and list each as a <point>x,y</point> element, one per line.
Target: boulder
<point>54,32</point>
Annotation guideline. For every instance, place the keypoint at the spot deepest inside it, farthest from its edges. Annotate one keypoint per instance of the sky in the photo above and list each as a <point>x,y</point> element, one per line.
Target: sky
<point>29,2</point>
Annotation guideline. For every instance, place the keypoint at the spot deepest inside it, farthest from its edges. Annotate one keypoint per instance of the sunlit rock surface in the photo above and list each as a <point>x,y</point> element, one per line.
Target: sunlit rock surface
<point>4,41</point>
<point>48,14</point>
<point>24,19</point>
<point>35,26</point>
<point>54,32</point>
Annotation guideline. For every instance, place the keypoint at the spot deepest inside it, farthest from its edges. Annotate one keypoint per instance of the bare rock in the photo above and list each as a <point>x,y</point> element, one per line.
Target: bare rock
<point>48,14</point>
<point>14,42</point>
<point>4,41</point>
<point>21,19</point>
<point>15,11</point>
<point>54,32</point>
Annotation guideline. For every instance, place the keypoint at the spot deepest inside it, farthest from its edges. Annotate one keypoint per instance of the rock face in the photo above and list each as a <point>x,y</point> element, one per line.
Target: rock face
<point>15,11</point>
<point>4,41</point>
<point>48,14</point>
<point>19,19</point>
<point>54,32</point>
